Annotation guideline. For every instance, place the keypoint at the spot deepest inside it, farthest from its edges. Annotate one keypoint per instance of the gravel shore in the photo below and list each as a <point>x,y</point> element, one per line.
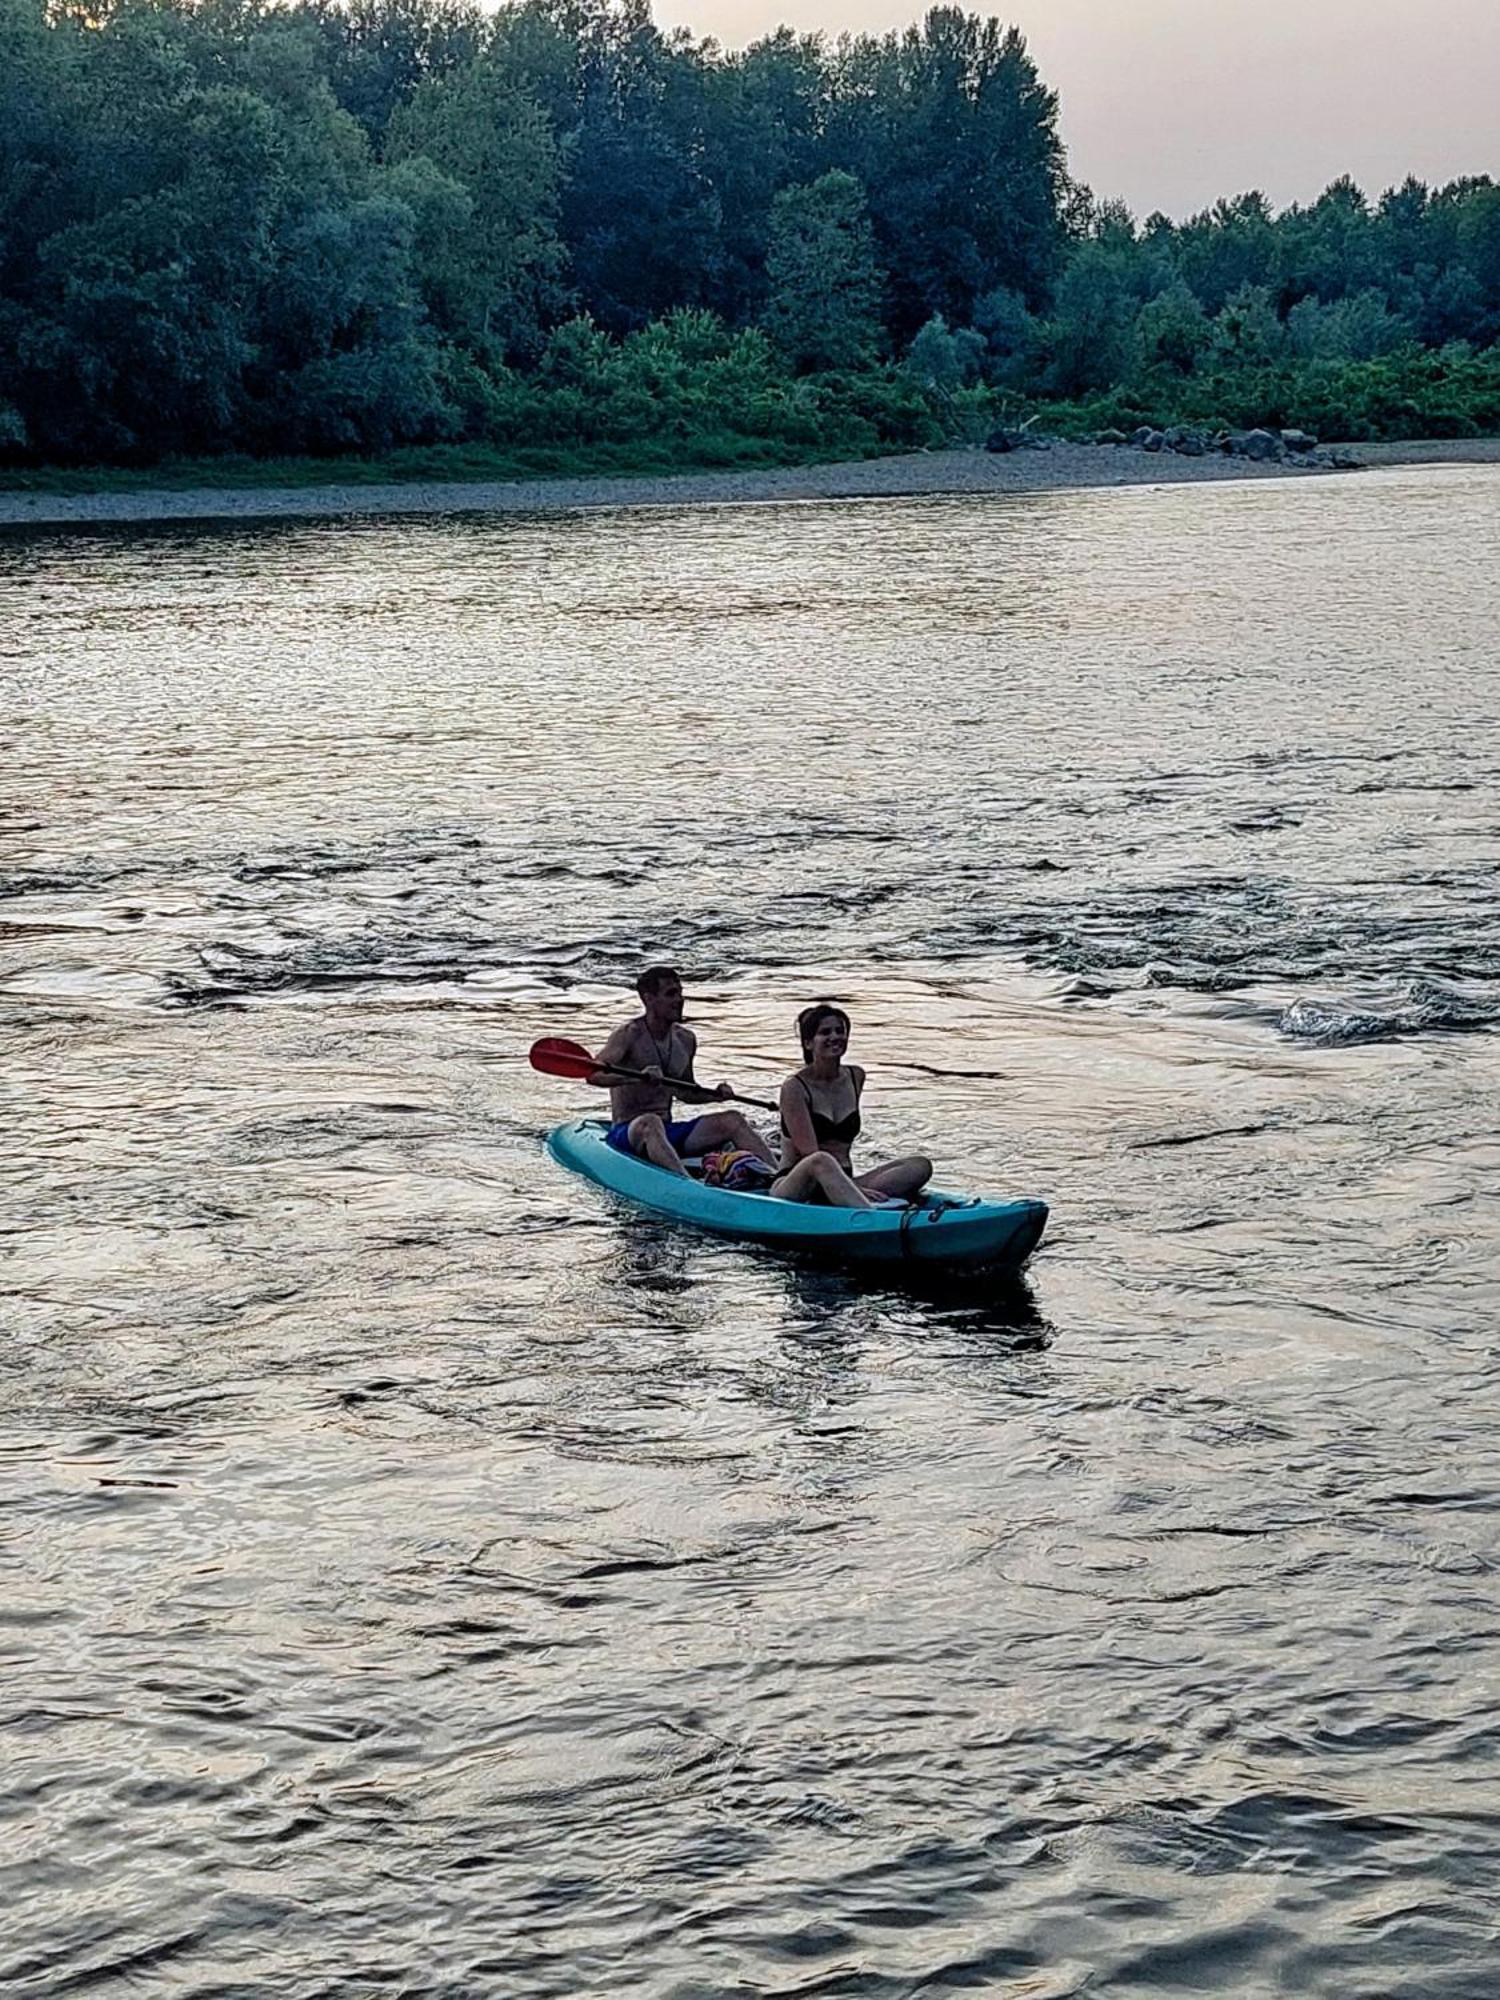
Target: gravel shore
<point>1059,468</point>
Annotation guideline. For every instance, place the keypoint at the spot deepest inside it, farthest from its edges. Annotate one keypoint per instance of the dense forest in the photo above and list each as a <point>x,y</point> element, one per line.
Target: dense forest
<point>559,233</point>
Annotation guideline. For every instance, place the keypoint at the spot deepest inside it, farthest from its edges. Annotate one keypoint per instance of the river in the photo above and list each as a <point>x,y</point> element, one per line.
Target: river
<point>421,1580</point>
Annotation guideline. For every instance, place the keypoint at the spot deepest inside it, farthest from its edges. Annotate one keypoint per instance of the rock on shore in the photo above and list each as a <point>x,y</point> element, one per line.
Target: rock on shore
<point>1262,447</point>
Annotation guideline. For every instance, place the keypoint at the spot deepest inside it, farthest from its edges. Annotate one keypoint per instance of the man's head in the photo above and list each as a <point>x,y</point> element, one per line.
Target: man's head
<point>660,988</point>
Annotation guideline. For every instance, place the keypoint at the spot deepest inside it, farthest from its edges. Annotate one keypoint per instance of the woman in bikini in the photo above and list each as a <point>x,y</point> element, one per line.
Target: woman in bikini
<point>820,1122</point>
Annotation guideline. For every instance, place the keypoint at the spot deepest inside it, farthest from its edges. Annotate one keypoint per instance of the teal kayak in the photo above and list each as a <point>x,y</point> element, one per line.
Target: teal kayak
<point>941,1232</point>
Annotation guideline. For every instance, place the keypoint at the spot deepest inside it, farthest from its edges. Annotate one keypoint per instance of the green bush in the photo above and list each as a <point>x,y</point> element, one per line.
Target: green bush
<point>1412,393</point>
<point>684,390</point>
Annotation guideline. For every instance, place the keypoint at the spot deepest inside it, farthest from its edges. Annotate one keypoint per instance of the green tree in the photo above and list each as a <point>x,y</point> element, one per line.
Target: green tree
<point>1401,228</point>
<point>1248,330</point>
<point>143,315</point>
<point>1009,333</point>
<point>632,109</point>
<point>379,52</point>
<point>951,131</point>
<point>946,360</point>
<point>1349,329</point>
<point>350,366</point>
<point>1088,340</point>
<point>345,280</point>
<point>1332,248</point>
<point>1227,247</point>
<point>823,280</point>
<point>1172,331</point>
<point>489,269</point>
<point>1455,308</point>
<point>760,131</point>
<point>1479,245</point>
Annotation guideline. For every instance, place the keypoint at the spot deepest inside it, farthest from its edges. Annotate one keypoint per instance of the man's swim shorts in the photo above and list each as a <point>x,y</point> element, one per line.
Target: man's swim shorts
<point>679,1130</point>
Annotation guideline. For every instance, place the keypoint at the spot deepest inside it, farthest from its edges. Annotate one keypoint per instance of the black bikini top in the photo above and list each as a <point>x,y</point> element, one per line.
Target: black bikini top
<point>837,1131</point>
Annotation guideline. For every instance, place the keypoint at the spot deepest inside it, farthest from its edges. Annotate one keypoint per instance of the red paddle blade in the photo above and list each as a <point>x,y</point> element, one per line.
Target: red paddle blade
<point>555,1057</point>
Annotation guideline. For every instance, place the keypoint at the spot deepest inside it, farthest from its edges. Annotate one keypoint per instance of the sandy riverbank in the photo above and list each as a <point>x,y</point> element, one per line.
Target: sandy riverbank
<point>1429,451</point>
<point>1060,468</point>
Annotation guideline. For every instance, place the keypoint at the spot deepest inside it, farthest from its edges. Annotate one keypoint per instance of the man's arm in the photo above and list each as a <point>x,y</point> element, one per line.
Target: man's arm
<point>684,1086</point>
<point>695,1092</point>
<point>615,1053</point>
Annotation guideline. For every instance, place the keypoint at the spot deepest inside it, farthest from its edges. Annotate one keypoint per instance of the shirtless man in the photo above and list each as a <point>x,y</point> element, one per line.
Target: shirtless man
<point>657,1044</point>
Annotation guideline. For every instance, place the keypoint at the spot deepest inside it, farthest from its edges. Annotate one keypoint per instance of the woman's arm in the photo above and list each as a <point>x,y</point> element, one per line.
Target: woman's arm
<point>796,1117</point>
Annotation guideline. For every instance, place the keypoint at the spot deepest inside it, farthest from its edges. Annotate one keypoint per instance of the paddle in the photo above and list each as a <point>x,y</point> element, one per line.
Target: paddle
<point>554,1056</point>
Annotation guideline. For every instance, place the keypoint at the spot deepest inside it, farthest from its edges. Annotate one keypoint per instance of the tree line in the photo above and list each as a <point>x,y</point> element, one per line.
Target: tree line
<point>1358,319</point>
<point>350,225</point>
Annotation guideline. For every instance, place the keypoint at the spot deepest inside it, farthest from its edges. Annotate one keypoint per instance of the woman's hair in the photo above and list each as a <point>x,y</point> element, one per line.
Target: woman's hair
<point>812,1018</point>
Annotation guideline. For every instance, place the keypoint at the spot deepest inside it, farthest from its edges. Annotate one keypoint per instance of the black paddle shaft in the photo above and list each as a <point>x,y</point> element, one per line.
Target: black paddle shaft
<point>685,1083</point>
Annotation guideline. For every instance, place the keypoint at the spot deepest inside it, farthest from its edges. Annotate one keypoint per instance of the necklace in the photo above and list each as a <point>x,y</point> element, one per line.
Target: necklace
<point>663,1055</point>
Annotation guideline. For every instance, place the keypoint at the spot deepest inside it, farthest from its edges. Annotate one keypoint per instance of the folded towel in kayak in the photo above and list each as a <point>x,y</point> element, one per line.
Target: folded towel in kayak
<point>738,1171</point>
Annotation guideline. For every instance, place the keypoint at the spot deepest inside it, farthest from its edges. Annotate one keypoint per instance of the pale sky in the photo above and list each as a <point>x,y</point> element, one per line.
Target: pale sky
<point>1171,103</point>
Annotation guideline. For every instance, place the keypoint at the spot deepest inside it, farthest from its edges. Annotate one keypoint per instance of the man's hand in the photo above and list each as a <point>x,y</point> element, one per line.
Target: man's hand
<point>695,1093</point>
<point>721,1091</point>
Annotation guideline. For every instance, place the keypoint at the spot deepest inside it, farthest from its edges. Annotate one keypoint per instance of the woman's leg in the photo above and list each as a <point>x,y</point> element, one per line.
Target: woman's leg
<point>821,1172</point>
<point>902,1178</point>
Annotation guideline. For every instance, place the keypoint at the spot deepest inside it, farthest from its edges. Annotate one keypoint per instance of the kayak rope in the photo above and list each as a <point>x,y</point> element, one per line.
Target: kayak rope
<point>910,1213</point>
<point>907,1216</point>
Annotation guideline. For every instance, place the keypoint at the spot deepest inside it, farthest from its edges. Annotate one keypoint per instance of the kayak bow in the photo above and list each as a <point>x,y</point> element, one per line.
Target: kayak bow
<point>939,1232</point>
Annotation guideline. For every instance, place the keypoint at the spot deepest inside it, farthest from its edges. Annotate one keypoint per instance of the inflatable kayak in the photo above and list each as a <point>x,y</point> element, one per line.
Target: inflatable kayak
<point>941,1232</point>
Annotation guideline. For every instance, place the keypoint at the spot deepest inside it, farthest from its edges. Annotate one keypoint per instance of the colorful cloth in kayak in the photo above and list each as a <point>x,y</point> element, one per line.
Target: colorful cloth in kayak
<point>737,1170</point>
<point>679,1131</point>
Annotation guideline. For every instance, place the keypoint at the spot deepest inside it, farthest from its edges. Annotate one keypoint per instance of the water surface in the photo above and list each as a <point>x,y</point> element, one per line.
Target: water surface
<point>420,1579</point>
